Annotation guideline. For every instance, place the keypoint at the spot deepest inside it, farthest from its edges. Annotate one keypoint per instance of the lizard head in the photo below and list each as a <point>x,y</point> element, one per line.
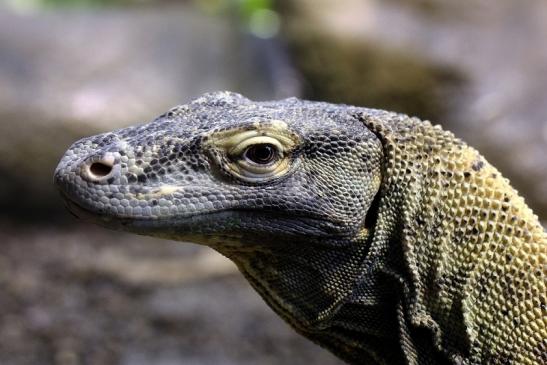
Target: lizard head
<point>250,179</point>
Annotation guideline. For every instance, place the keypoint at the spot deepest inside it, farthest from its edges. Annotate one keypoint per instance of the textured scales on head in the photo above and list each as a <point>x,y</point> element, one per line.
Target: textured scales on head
<point>378,236</point>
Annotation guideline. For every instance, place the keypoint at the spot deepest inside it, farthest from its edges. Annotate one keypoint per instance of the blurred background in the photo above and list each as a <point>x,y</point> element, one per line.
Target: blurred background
<point>75,294</point>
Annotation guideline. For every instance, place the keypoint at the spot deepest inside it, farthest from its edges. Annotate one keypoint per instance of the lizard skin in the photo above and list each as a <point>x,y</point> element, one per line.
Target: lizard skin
<point>378,236</point>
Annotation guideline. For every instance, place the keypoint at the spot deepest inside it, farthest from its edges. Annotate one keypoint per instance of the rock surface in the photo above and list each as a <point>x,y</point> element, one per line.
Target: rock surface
<point>91,296</point>
<point>477,67</point>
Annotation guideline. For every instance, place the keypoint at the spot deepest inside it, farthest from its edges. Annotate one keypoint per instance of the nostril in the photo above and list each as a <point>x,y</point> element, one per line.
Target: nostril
<point>100,169</point>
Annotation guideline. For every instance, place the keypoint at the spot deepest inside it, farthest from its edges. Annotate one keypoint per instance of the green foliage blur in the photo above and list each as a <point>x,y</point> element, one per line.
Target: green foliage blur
<point>257,17</point>
<point>246,7</point>
<point>41,4</point>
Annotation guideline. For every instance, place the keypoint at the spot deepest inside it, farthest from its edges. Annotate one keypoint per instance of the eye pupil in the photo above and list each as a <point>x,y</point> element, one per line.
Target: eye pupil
<point>261,153</point>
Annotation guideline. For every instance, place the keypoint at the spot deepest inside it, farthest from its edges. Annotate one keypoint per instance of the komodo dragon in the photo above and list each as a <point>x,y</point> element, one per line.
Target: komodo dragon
<point>378,236</point>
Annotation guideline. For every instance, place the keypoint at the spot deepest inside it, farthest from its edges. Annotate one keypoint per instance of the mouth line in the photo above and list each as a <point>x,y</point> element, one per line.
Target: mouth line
<point>82,212</point>
<point>110,221</point>
<point>323,232</point>
<point>87,214</point>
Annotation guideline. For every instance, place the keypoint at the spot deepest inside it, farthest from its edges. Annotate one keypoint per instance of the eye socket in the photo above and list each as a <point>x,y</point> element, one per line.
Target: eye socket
<point>255,156</point>
<point>261,154</point>
<point>259,158</point>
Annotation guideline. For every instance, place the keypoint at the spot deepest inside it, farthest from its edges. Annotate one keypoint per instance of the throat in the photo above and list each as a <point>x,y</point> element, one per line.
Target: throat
<point>330,296</point>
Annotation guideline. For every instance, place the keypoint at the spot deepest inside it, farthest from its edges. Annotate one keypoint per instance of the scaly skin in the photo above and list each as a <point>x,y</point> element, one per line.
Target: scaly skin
<point>378,236</point>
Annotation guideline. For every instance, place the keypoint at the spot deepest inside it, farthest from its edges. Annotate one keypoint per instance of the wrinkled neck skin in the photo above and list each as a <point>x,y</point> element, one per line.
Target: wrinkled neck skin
<point>341,290</point>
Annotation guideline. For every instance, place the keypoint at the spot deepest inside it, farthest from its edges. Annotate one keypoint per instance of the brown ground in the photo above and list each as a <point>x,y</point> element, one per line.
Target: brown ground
<point>84,295</point>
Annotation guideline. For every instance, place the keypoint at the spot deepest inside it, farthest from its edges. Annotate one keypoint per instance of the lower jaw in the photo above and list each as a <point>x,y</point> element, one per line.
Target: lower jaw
<point>221,229</point>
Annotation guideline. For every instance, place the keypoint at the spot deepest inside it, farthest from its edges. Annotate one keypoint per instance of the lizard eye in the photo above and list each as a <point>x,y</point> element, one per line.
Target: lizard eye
<point>261,154</point>
<point>259,158</point>
<point>252,155</point>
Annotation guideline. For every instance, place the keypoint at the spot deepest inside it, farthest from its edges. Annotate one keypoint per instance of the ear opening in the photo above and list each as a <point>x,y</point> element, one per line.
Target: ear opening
<point>372,214</point>
<point>383,129</point>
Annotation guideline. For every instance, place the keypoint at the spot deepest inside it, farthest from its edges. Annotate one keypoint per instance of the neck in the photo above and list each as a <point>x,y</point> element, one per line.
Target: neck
<point>336,296</point>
